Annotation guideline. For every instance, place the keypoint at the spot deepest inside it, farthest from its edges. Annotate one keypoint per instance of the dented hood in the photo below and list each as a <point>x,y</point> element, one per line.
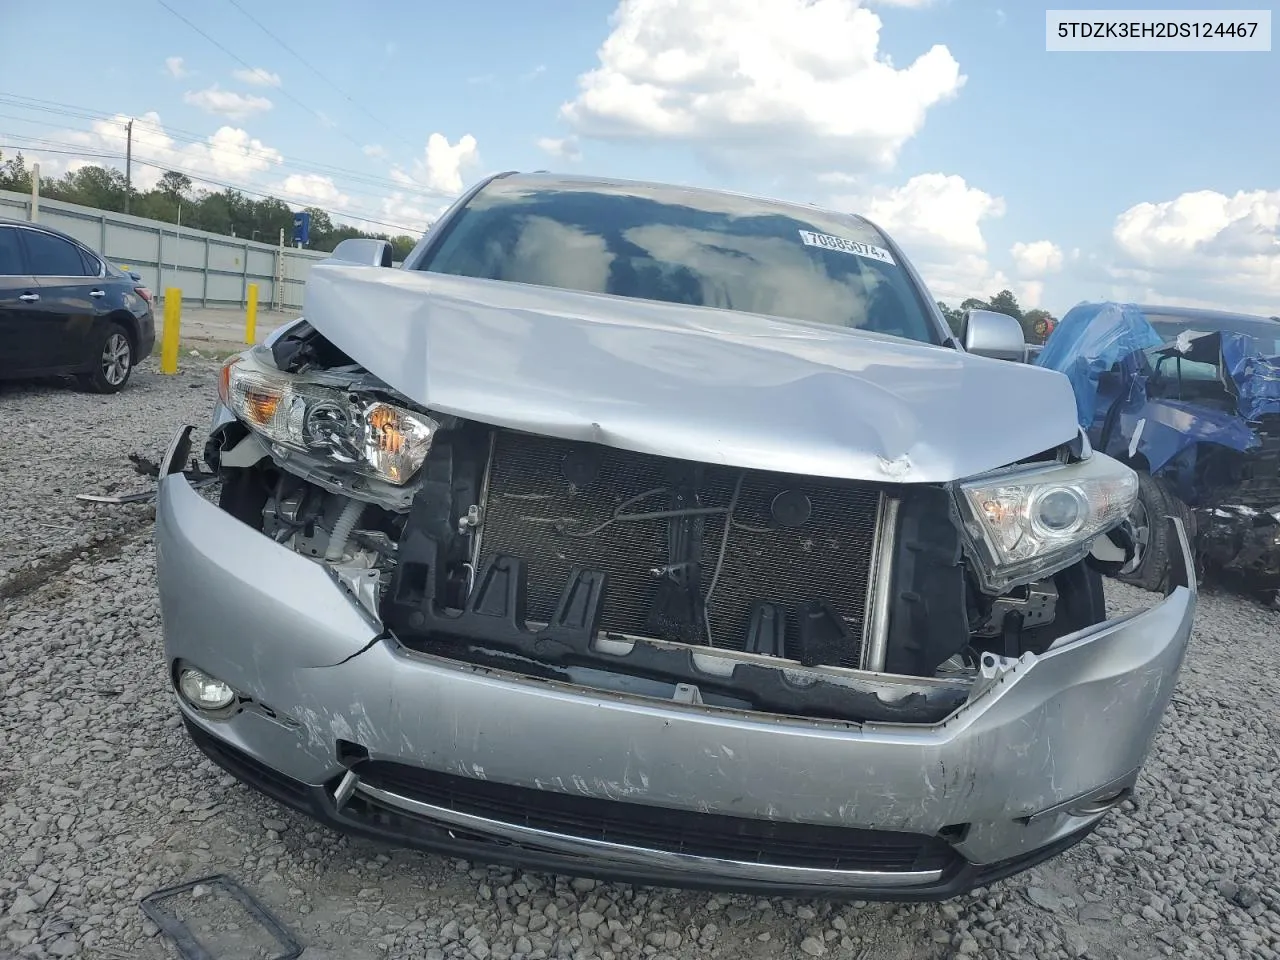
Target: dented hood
<point>693,383</point>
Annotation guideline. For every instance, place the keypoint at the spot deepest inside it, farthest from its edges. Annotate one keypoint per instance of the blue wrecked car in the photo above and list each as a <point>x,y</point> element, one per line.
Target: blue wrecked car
<point>1191,400</point>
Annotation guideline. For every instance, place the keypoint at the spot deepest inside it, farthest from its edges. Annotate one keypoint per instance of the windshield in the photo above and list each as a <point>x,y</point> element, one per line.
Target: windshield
<point>689,247</point>
<point>1264,333</point>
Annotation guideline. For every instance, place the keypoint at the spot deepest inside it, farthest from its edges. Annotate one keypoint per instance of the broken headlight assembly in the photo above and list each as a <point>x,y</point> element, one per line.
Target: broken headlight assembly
<point>1025,524</point>
<point>376,438</point>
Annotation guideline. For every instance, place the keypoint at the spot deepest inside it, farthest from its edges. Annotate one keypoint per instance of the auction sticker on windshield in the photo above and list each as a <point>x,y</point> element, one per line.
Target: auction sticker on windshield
<point>856,247</point>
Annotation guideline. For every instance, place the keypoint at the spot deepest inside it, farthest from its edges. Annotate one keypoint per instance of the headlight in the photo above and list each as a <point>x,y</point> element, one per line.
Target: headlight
<point>378,438</point>
<point>1023,525</point>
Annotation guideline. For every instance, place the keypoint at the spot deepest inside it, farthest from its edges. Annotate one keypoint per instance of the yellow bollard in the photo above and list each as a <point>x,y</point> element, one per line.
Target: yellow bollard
<point>169,336</point>
<point>251,316</point>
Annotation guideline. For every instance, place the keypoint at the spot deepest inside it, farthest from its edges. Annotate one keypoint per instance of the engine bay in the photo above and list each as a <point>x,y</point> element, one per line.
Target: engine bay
<point>578,562</point>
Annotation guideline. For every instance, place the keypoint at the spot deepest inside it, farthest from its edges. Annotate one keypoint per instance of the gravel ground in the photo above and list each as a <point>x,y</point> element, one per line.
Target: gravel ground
<point>103,800</point>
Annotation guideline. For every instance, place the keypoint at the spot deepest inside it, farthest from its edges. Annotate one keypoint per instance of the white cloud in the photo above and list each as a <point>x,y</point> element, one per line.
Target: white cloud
<point>229,154</point>
<point>176,68</point>
<point>442,166</point>
<point>760,81</point>
<point>313,190</point>
<point>227,103</point>
<point>562,148</point>
<point>373,150</point>
<point>1037,258</point>
<point>937,219</point>
<point>1030,293</point>
<point>258,76</point>
<point>1203,247</point>
<point>935,210</point>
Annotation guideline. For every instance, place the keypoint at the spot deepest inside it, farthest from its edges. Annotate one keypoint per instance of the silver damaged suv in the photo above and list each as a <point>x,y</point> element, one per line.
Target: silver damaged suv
<point>664,535</point>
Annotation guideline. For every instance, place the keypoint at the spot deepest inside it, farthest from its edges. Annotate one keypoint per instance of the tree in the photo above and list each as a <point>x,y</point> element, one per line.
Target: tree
<point>973,303</point>
<point>93,186</point>
<point>953,317</point>
<point>14,174</point>
<point>175,198</point>
<point>1037,325</point>
<point>174,184</point>
<point>1005,302</point>
<point>401,246</point>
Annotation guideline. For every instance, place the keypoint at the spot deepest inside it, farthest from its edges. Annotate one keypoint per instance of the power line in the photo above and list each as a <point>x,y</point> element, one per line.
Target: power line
<point>283,92</point>
<point>380,194</point>
<point>204,178</point>
<point>54,150</point>
<point>297,56</point>
<point>186,137</point>
<point>301,201</point>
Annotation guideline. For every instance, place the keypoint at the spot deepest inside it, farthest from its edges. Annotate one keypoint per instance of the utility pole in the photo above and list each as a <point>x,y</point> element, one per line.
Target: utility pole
<point>34,216</point>
<point>128,164</point>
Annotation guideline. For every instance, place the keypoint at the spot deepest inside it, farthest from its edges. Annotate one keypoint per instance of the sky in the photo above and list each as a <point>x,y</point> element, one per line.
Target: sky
<point>993,163</point>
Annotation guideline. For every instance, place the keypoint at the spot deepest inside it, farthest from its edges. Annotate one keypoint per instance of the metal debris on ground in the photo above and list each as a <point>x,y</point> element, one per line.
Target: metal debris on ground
<point>197,476</point>
<point>189,946</point>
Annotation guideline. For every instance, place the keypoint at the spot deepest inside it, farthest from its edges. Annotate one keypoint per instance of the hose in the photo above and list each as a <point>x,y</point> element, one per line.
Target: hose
<point>342,528</point>
<point>724,548</point>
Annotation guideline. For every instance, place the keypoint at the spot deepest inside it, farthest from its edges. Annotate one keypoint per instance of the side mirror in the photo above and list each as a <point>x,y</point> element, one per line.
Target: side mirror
<point>363,251</point>
<point>995,335</point>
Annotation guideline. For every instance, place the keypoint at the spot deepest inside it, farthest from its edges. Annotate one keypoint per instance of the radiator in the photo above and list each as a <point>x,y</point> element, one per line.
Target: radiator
<point>534,511</point>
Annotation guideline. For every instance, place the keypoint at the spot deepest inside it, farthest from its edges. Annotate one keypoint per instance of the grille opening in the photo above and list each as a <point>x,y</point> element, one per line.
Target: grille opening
<point>720,836</point>
<point>534,511</point>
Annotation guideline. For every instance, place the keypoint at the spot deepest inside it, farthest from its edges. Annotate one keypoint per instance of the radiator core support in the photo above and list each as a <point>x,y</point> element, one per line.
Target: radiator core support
<point>564,505</point>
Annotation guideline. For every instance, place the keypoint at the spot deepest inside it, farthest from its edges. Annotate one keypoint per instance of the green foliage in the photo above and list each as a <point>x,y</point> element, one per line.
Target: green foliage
<point>1031,324</point>
<point>174,200</point>
<point>1003,302</point>
<point>953,316</point>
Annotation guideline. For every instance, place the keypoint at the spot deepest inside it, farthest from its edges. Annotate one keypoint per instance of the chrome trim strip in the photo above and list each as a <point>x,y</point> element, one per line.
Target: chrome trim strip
<point>876,638</point>
<point>1120,785</point>
<point>664,860</point>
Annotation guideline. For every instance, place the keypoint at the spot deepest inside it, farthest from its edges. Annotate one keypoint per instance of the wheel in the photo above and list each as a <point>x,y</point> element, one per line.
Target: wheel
<point>1155,546</point>
<point>113,361</point>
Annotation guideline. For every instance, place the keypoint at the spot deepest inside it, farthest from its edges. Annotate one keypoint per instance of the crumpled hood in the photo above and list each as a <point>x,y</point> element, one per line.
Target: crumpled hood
<point>692,383</point>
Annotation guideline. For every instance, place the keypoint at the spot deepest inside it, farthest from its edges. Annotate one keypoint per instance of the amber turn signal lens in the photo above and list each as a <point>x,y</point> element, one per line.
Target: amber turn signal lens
<point>384,422</point>
<point>260,405</point>
<point>224,380</point>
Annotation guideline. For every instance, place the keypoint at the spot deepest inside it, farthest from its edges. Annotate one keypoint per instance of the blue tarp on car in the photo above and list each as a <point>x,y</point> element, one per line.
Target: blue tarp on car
<point>1089,341</point>
<point>1256,377</point>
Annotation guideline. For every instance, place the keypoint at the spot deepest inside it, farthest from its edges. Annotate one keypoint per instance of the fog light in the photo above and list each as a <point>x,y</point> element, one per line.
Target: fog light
<point>203,691</point>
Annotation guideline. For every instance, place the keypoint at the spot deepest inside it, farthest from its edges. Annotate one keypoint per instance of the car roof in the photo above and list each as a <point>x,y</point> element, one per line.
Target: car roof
<point>1190,315</point>
<point>9,222</point>
<point>547,180</point>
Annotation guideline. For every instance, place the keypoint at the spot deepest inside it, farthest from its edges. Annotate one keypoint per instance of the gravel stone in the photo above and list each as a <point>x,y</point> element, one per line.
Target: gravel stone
<point>103,799</point>
<point>813,946</point>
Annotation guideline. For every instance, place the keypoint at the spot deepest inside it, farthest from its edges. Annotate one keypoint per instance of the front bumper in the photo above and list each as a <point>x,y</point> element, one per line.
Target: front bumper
<point>345,723</point>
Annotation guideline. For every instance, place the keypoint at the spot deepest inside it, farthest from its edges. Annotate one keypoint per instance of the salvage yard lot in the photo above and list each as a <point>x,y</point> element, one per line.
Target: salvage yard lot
<point>103,799</point>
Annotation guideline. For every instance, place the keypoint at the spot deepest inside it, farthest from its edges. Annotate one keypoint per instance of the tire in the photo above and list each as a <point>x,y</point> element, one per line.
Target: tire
<point>1155,544</point>
<point>113,359</point>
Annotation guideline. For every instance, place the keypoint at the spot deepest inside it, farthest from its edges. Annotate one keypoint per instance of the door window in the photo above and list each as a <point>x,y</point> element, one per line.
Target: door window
<point>91,265</point>
<point>52,256</point>
<point>11,254</point>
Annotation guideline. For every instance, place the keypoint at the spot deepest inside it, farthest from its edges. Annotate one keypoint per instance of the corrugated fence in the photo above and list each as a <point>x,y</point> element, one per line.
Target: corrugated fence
<point>210,269</point>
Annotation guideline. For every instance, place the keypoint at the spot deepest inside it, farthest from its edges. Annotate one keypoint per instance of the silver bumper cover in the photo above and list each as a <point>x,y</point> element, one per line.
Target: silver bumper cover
<point>1020,763</point>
